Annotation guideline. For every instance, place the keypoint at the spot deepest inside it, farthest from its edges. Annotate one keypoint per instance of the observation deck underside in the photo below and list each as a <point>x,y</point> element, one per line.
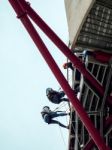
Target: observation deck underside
<point>90,28</point>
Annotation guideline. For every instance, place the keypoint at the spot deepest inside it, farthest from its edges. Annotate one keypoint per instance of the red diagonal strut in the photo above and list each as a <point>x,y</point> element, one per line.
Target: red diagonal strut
<point>59,43</point>
<point>107,125</point>
<point>59,76</point>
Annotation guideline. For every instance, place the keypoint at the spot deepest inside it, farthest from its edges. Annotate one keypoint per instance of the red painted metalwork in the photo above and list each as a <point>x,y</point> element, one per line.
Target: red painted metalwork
<point>89,145</point>
<point>60,44</point>
<point>108,123</point>
<point>59,76</point>
<point>102,56</point>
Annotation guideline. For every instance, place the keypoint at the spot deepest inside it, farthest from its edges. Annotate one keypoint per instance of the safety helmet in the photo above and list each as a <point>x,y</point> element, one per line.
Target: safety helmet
<point>65,65</point>
<point>48,91</point>
<point>46,107</point>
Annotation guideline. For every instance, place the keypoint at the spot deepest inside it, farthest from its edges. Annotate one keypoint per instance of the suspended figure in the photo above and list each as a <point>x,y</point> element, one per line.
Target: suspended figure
<point>77,76</point>
<point>68,65</point>
<point>55,96</point>
<point>49,116</point>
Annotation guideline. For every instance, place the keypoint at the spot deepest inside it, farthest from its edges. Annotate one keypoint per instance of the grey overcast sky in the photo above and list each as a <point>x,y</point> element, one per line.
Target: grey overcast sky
<point>24,77</point>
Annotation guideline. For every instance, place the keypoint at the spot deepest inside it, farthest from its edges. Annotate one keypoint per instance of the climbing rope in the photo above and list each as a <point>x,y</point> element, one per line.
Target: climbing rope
<point>62,135</point>
<point>60,106</point>
<point>75,134</point>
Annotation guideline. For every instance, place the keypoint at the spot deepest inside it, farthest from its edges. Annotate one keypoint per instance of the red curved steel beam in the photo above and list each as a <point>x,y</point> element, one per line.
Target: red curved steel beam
<point>107,124</point>
<point>60,44</point>
<point>59,76</point>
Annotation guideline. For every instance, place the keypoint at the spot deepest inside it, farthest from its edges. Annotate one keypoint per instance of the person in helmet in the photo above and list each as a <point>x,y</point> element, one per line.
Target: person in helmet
<point>55,97</point>
<point>68,65</point>
<point>48,116</point>
<point>77,76</point>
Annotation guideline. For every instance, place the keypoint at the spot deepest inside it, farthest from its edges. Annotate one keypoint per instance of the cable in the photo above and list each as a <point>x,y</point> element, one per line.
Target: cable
<point>66,116</point>
<point>61,105</point>
<point>62,135</point>
<point>74,132</point>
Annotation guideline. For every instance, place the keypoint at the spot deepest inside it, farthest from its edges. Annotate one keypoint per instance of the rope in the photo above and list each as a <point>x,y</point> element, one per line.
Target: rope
<point>60,106</point>
<point>74,128</point>
<point>76,135</point>
<point>62,135</point>
<point>64,104</point>
<point>67,123</point>
<point>66,116</point>
<point>74,132</point>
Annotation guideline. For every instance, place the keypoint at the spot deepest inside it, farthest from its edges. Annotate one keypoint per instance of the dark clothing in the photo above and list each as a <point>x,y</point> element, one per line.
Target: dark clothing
<point>69,65</point>
<point>55,97</point>
<point>77,75</point>
<point>48,117</point>
<point>59,123</point>
<point>76,88</point>
<point>58,97</point>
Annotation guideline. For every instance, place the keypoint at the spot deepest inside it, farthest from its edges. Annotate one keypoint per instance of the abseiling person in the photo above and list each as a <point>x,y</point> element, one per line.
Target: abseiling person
<point>55,96</point>
<point>48,116</point>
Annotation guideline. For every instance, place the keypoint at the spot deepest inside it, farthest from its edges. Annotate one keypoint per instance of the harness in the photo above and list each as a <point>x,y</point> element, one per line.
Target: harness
<point>51,95</point>
<point>46,115</point>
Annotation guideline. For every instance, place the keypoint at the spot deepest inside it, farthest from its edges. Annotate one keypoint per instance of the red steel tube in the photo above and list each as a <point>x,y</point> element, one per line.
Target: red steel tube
<point>102,56</point>
<point>60,44</point>
<point>59,76</point>
<point>107,125</point>
<point>89,145</point>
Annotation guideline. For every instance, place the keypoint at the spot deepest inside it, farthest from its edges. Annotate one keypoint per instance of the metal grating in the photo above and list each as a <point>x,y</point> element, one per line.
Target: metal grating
<point>92,103</point>
<point>97,29</point>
